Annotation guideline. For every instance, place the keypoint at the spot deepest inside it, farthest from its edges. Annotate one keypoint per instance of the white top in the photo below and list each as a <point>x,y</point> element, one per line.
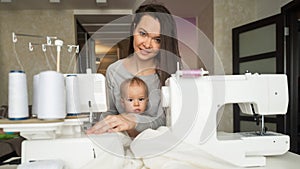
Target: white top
<point>154,115</point>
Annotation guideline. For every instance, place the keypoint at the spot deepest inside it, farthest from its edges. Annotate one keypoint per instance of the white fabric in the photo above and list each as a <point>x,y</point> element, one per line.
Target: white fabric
<point>182,155</point>
<point>113,161</point>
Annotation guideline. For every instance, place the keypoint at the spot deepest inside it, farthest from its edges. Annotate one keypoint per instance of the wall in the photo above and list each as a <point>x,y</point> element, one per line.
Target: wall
<point>191,48</point>
<point>267,8</point>
<point>229,14</point>
<point>58,23</point>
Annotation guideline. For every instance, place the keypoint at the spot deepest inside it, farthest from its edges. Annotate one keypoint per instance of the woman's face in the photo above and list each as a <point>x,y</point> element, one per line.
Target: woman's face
<point>146,35</point>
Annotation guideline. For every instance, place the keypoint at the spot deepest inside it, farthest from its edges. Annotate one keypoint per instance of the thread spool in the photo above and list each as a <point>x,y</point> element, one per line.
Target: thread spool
<point>192,73</point>
<point>51,96</point>
<point>72,89</point>
<point>17,95</point>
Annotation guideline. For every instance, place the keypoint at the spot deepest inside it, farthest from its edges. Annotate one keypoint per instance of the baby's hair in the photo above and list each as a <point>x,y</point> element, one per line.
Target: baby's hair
<point>133,81</point>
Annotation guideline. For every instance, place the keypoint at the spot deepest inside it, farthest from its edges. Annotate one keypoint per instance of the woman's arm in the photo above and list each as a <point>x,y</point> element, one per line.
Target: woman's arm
<point>110,86</point>
<point>153,121</point>
<point>114,123</point>
<point>131,122</point>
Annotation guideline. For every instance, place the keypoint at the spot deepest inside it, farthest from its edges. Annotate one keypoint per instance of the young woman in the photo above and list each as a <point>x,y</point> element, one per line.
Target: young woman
<point>153,56</point>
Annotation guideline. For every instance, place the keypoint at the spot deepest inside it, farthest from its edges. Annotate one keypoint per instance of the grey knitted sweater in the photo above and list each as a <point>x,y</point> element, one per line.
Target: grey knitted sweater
<point>154,115</point>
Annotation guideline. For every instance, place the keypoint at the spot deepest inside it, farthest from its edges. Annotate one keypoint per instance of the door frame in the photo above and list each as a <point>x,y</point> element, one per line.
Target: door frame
<point>279,55</point>
<point>292,70</point>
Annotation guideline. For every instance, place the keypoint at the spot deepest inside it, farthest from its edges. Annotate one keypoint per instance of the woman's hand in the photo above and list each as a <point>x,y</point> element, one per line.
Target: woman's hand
<point>113,123</point>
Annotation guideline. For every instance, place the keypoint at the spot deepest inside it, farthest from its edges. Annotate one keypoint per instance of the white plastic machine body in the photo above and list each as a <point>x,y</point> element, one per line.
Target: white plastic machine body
<point>76,152</point>
<point>64,139</point>
<point>92,92</point>
<point>196,104</point>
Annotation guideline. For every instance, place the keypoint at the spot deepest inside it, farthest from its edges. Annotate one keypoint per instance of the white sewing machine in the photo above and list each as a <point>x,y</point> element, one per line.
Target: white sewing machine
<point>194,103</point>
<point>64,139</point>
<point>193,106</point>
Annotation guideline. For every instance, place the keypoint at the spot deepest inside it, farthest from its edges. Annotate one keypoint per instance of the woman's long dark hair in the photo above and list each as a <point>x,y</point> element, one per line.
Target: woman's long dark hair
<point>168,57</point>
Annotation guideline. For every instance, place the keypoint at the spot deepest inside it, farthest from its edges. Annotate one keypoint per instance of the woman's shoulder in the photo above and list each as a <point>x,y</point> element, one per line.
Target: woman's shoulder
<point>117,69</point>
<point>115,66</point>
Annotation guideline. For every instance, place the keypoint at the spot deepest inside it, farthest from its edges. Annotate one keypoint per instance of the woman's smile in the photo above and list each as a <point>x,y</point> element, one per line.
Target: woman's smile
<point>145,51</point>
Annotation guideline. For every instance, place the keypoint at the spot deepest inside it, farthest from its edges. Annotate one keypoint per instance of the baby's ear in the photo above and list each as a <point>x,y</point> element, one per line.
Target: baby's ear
<point>122,102</point>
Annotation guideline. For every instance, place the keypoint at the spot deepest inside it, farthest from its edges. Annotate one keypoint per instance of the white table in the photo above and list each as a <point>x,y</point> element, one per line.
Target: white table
<point>286,161</point>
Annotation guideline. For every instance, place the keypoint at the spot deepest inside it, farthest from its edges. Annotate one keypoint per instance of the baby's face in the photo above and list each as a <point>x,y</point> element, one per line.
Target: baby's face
<point>135,100</point>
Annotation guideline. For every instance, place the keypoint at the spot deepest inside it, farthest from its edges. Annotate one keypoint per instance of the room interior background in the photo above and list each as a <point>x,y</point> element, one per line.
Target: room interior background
<point>215,18</point>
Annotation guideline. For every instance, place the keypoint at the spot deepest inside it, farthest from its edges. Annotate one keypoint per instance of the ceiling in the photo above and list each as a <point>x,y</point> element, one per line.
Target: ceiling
<point>68,4</point>
<point>105,27</point>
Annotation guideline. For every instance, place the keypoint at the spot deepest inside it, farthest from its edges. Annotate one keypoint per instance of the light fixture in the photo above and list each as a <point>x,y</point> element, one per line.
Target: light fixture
<point>54,1</point>
<point>5,1</point>
<point>101,1</point>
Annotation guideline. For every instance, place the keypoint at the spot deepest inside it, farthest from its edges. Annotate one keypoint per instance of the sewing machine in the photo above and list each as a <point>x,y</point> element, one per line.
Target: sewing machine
<point>64,139</point>
<point>194,105</point>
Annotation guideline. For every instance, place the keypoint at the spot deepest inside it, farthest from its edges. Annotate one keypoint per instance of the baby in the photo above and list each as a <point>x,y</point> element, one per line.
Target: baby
<point>134,95</point>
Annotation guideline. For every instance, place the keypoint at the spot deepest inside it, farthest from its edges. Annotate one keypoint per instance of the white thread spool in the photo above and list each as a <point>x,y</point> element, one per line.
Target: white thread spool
<point>72,88</point>
<point>17,96</point>
<point>51,96</point>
